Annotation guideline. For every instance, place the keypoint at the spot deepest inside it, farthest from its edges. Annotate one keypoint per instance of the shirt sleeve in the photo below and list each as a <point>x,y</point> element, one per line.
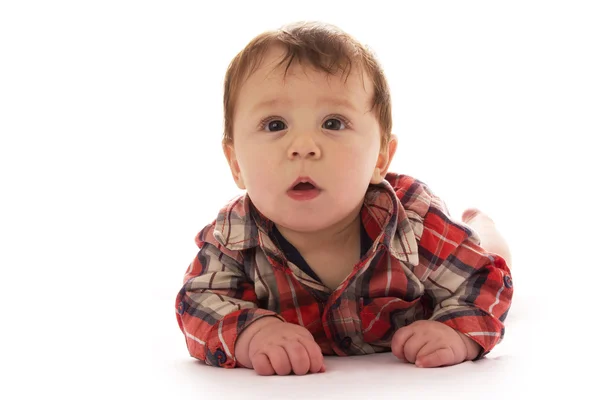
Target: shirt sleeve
<point>216,303</point>
<point>470,289</point>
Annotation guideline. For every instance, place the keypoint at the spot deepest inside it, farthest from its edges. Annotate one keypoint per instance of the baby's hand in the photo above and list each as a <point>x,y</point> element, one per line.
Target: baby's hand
<point>433,344</point>
<point>282,348</point>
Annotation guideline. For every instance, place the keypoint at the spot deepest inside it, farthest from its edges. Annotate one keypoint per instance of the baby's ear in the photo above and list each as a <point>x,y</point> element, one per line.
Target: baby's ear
<point>384,160</point>
<point>229,151</point>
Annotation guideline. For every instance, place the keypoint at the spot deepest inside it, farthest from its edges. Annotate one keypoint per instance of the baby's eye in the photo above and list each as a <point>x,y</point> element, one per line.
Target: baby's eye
<point>334,124</point>
<point>275,125</point>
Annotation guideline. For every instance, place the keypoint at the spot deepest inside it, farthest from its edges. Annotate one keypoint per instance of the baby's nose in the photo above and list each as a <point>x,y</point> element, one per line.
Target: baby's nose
<point>304,147</point>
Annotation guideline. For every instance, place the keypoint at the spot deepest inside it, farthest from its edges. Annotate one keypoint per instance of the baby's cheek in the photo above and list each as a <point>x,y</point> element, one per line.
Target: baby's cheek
<point>258,173</point>
<point>355,169</point>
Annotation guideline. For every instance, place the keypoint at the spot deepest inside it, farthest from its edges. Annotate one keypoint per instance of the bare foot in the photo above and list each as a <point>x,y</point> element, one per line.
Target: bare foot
<point>474,213</point>
<point>491,240</point>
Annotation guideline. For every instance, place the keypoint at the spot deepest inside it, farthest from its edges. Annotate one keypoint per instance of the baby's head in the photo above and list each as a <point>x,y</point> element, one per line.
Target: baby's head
<point>307,100</point>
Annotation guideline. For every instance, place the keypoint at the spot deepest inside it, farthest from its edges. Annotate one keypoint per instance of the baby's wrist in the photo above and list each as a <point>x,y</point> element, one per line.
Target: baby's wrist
<point>473,348</point>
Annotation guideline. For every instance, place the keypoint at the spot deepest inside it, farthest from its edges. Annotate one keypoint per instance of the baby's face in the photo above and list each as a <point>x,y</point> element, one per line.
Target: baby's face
<point>310,125</point>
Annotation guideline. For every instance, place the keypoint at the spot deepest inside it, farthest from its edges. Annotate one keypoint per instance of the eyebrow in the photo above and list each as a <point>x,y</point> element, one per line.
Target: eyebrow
<point>335,101</point>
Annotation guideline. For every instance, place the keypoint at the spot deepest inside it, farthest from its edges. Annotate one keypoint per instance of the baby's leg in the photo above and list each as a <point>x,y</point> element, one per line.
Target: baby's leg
<point>491,240</point>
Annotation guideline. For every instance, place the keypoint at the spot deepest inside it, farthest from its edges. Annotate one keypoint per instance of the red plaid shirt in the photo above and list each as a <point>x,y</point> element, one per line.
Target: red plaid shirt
<point>422,265</point>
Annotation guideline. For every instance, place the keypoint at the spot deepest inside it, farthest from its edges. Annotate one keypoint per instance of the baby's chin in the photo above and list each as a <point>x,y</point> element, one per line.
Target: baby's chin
<point>313,216</point>
<point>310,223</point>
<point>300,225</point>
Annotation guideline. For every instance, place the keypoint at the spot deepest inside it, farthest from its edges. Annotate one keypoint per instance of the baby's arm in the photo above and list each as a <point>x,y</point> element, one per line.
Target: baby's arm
<point>218,313</point>
<point>469,287</point>
<point>471,291</point>
<point>216,303</point>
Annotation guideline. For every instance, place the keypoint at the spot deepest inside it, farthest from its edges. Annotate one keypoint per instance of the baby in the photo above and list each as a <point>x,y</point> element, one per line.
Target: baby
<point>327,252</point>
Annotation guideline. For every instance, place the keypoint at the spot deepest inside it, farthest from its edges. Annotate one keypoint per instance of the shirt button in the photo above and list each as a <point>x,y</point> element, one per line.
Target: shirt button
<point>221,356</point>
<point>508,282</point>
<point>346,343</point>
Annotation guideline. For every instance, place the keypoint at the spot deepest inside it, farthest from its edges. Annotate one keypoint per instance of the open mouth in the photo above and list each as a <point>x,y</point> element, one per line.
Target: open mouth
<point>304,189</point>
<point>304,186</point>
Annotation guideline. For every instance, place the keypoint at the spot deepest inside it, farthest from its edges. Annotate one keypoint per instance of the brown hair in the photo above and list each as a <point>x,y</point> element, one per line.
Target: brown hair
<point>325,47</point>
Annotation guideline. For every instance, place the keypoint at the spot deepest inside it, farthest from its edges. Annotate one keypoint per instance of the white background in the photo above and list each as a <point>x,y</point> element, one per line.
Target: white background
<point>110,163</point>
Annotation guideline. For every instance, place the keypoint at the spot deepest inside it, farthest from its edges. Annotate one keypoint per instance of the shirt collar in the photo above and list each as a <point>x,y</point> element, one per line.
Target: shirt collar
<point>241,226</point>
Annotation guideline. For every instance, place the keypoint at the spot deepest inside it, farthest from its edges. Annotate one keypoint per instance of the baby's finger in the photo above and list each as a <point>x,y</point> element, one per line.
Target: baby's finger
<point>279,360</point>
<point>314,354</point>
<point>399,340</point>
<point>428,348</point>
<point>440,357</point>
<point>262,365</point>
<point>413,345</point>
<point>298,357</point>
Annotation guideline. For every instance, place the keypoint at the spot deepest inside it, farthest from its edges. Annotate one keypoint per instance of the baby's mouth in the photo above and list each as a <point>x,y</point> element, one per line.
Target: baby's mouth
<point>303,191</point>
<point>304,186</point>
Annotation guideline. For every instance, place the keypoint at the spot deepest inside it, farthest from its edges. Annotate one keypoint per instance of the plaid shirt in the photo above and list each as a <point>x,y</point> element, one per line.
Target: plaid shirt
<point>421,265</point>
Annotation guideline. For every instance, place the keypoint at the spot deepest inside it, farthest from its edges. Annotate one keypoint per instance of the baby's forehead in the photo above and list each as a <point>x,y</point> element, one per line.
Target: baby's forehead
<point>275,75</point>
<point>276,63</point>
